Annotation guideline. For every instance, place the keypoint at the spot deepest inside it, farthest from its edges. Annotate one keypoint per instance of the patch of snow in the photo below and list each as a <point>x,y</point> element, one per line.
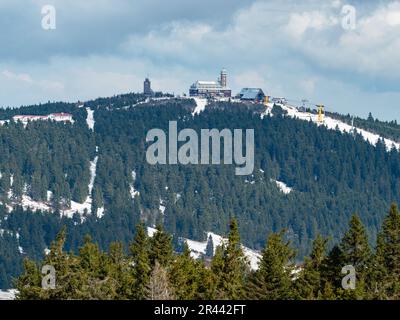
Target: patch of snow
<point>253,257</point>
<point>200,105</point>
<point>87,205</point>
<point>151,231</point>
<point>8,295</point>
<point>199,248</point>
<point>162,206</point>
<point>333,124</point>
<point>46,251</point>
<point>267,111</point>
<point>21,251</point>
<point>28,203</point>
<point>133,192</point>
<point>283,186</point>
<point>100,212</point>
<point>90,118</point>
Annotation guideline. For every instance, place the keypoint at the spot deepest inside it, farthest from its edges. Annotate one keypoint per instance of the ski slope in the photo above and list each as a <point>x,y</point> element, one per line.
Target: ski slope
<point>334,124</point>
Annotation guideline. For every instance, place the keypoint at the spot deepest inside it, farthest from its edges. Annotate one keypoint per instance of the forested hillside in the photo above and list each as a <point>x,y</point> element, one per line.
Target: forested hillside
<point>331,176</point>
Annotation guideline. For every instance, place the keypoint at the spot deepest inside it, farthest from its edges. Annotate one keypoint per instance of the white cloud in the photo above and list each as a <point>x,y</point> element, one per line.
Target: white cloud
<point>288,49</point>
<point>26,79</point>
<point>19,77</point>
<point>300,23</point>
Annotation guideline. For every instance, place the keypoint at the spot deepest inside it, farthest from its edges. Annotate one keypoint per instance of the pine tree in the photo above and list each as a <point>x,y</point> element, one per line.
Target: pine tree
<point>217,270</point>
<point>69,276</point>
<point>235,265</point>
<point>309,284</point>
<point>184,276</point>
<point>357,253</point>
<point>28,284</point>
<point>141,263</point>
<point>332,269</point>
<point>161,248</point>
<point>210,247</point>
<point>388,256</point>
<point>273,280</point>
<point>119,275</point>
<point>355,248</point>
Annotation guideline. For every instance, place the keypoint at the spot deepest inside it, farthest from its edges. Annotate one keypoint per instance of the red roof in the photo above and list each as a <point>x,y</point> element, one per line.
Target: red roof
<point>62,114</point>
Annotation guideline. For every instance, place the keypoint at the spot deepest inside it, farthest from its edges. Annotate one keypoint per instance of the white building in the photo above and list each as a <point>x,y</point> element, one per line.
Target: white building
<point>60,117</point>
<point>211,88</point>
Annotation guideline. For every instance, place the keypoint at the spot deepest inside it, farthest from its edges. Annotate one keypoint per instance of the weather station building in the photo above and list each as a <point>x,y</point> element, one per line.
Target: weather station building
<point>147,91</point>
<point>209,89</point>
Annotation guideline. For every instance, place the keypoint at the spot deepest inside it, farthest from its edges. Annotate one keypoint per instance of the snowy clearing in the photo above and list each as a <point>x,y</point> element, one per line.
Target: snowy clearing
<point>268,110</point>
<point>200,105</point>
<point>283,186</point>
<point>90,118</point>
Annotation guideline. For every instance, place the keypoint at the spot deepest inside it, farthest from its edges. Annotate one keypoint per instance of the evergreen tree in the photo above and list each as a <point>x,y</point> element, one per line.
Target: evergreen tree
<point>139,250</point>
<point>355,248</point>
<point>309,285</point>
<point>388,255</point>
<point>210,247</point>
<point>235,265</point>
<point>28,284</point>
<point>273,280</point>
<point>184,276</point>
<point>357,253</point>
<point>161,248</point>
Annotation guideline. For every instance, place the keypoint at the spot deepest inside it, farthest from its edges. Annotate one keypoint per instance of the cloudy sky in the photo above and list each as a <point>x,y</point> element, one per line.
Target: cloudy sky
<point>295,49</point>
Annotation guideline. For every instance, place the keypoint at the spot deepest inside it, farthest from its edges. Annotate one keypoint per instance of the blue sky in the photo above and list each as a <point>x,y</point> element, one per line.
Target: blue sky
<point>295,49</point>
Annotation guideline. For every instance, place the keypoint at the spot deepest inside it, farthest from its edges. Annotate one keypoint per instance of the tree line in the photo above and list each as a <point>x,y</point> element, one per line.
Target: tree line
<point>150,269</point>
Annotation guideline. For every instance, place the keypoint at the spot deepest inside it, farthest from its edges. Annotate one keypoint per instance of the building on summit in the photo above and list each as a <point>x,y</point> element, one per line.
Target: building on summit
<point>147,91</point>
<point>208,89</point>
<point>252,94</point>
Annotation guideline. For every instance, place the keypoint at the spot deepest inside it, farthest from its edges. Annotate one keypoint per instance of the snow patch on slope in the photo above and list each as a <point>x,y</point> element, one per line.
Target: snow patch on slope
<point>133,192</point>
<point>90,118</point>
<point>198,249</point>
<point>333,124</point>
<point>151,231</point>
<point>268,110</point>
<point>200,105</point>
<point>87,205</point>
<point>8,295</point>
<point>162,206</point>
<point>28,203</point>
<point>283,186</point>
